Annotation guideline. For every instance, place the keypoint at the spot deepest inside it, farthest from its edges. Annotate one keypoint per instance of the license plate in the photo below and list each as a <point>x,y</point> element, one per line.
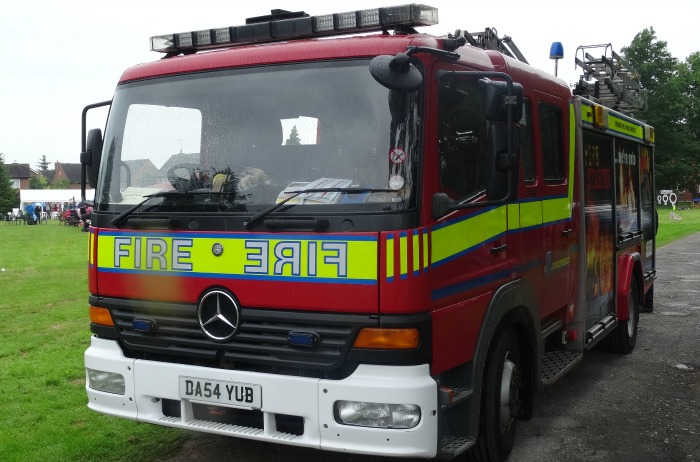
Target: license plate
<point>227,393</point>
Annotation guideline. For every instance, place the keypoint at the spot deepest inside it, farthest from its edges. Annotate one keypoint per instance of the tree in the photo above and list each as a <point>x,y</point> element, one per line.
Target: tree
<point>688,125</point>
<point>673,108</point>
<point>60,184</point>
<point>651,59</point>
<point>38,182</point>
<point>43,163</point>
<point>8,195</point>
<point>293,137</point>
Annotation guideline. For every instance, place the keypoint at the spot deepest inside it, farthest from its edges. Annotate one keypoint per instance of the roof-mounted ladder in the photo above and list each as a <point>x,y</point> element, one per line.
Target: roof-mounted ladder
<point>610,81</point>
<point>489,40</point>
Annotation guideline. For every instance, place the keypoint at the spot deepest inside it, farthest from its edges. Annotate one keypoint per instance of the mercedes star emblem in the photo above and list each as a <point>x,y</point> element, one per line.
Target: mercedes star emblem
<point>218,315</point>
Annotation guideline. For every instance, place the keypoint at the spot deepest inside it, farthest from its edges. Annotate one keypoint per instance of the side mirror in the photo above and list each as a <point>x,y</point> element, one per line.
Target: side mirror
<point>496,100</point>
<point>502,165</point>
<point>92,155</point>
<point>503,137</point>
<point>396,73</point>
<point>441,205</point>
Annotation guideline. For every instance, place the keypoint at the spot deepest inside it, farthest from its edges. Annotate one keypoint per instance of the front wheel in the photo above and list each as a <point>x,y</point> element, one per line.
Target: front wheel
<point>501,400</point>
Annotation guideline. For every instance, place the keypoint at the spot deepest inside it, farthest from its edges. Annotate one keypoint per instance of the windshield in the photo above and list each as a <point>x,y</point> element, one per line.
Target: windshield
<point>244,140</point>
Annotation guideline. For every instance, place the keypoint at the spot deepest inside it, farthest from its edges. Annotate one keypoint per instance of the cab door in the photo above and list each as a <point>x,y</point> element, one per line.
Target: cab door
<point>469,247</point>
<point>556,192</point>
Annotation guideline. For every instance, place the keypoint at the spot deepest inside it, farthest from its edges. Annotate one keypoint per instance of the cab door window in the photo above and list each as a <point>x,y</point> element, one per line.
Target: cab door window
<point>461,139</point>
<point>551,142</point>
<point>527,154</point>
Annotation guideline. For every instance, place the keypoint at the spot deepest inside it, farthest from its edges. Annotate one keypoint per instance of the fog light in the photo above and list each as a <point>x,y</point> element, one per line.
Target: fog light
<point>376,415</point>
<point>106,381</point>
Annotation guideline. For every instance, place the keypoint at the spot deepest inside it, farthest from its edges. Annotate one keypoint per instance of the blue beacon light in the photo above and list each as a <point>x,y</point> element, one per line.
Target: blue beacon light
<point>556,52</point>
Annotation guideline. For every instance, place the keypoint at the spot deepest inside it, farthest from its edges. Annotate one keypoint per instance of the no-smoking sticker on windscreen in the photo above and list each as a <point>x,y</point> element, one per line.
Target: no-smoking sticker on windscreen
<point>397,156</point>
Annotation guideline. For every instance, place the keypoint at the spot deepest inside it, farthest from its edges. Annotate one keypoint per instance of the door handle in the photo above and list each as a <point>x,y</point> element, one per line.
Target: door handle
<point>566,232</point>
<point>499,249</point>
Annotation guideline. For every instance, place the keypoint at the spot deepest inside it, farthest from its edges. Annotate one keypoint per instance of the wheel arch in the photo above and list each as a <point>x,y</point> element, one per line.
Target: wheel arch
<point>513,304</point>
<point>628,266</point>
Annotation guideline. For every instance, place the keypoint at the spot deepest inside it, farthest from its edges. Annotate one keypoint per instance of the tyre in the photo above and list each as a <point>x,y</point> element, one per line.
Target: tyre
<point>500,400</point>
<point>624,337</point>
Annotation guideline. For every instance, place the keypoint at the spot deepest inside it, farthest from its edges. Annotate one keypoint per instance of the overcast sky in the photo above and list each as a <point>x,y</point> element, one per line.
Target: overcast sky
<point>60,55</point>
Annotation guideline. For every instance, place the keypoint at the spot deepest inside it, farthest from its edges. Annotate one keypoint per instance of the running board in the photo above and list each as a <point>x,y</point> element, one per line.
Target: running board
<point>449,397</point>
<point>650,275</point>
<point>596,333</point>
<point>557,363</point>
<point>549,327</point>
<point>453,446</point>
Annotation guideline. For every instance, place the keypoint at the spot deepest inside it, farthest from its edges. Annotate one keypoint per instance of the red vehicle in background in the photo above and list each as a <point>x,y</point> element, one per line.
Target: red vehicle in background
<point>377,244</point>
<point>71,217</point>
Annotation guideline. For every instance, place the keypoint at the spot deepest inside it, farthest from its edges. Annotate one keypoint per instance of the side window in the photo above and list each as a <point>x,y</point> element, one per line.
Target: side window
<point>461,139</point>
<point>527,158</point>
<point>551,139</point>
<point>627,186</point>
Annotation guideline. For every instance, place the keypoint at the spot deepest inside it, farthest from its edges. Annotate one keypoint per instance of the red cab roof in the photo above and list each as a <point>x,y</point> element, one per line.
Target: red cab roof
<point>280,52</point>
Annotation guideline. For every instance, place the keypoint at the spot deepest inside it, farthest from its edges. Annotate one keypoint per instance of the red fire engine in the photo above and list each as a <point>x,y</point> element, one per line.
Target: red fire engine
<point>379,244</point>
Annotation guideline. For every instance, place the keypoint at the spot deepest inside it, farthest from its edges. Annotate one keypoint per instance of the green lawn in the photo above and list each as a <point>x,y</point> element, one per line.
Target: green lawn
<point>671,229</point>
<point>44,330</point>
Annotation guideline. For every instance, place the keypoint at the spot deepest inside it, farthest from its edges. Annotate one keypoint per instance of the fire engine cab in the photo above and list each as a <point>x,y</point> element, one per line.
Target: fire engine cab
<point>378,244</point>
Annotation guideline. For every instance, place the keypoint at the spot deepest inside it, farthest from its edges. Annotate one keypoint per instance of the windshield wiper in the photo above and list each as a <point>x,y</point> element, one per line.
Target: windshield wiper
<point>121,218</point>
<point>250,223</point>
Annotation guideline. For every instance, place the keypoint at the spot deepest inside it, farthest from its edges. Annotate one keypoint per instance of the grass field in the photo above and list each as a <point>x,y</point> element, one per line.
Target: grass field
<point>44,330</point>
<point>672,229</point>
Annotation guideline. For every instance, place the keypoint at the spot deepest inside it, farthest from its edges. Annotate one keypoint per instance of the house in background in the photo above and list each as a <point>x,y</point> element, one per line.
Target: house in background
<point>178,159</point>
<point>20,174</point>
<point>142,172</point>
<point>62,171</point>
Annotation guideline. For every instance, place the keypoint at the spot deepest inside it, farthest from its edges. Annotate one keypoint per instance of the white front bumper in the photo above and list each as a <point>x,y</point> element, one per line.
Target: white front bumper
<point>148,382</point>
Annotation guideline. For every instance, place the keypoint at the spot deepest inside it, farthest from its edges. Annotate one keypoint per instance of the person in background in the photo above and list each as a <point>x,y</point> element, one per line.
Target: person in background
<point>37,213</point>
<point>85,217</point>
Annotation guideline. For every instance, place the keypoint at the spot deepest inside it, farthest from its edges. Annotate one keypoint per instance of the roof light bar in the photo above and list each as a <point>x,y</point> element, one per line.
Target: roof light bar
<point>292,28</point>
<point>285,25</point>
<point>343,21</point>
<point>323,24</point>
<point>408,15</point>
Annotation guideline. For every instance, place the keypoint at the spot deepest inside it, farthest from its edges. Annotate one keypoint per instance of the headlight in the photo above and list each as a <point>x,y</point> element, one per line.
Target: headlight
<point>377,415</point>
<point>108,382</point>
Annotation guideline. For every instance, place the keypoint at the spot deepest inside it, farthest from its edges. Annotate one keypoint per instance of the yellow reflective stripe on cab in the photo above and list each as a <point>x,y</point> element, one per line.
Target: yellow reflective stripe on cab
<point>530,214</point>
<point>284,256</point>
<point>458,237</point>
<point>426,254</point>
<point>403,252</point>
<point>513,216</point>
<point>416,252</point>
<point>390,256</point>
<point>555,210</point>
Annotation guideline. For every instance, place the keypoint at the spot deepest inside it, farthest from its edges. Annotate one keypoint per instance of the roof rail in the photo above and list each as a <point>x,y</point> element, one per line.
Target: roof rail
<point>489,40</point>
<point>609,80</point>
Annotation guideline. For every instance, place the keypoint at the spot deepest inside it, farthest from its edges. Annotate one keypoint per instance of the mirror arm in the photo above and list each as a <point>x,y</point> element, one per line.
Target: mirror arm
<point>433,51</point>
<point>83,147</point>
<point>471,205</point>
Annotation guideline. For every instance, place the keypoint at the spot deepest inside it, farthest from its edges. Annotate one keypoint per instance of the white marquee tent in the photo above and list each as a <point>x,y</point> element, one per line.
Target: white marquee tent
<point>50,196</point>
